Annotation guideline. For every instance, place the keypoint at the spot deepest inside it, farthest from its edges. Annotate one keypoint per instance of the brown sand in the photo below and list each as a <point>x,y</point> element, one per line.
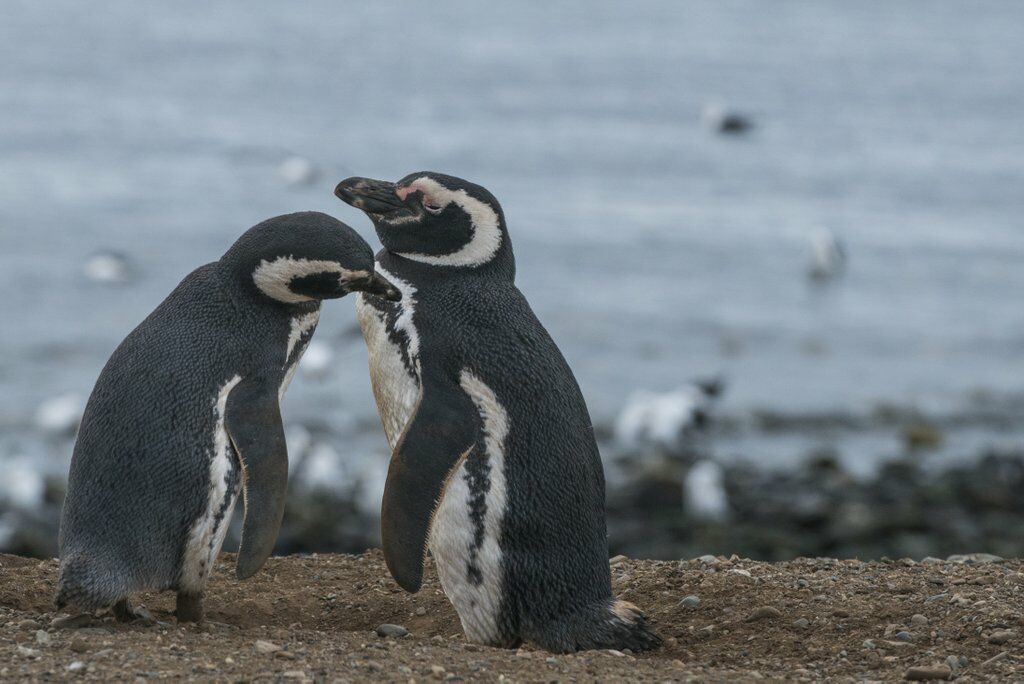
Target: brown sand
<point>319,613</point>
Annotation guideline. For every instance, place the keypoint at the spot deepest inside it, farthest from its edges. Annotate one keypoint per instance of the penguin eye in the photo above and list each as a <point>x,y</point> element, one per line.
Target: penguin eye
<point>431,207</point>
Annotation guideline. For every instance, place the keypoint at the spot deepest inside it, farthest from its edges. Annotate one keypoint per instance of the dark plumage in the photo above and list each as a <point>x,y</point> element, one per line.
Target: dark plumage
<point>186,401</point>
<point>495,461</point>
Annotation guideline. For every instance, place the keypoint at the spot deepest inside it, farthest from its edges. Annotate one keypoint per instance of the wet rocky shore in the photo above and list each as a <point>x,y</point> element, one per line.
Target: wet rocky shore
<point>677,502</point>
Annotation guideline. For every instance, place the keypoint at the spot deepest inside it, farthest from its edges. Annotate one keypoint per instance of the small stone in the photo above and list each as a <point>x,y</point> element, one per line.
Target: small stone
<point>95,631</point>
<point>708,559</point>
<point>801,623</point>
<point>932,560</point>
<point>924,673</point>
<point>974,558</point>
<point>617,560</point>
<point>995,659</point>
<point>936,597</point>
<point>841,613</point>
<point>294,674</point>
<point>869,644</point>
<point>1001,636</point>
<point>437,671</point>
<point>618,654</point>
<point>394,631</point>
<point>72,621</point>
<point>28,625</point>
<point>28,652</point>
<point>42,637</point>
<point>953,663</point>
<point>284,655</point>
<point>79,645</point>
<point>265,647</point>
<point>76,666</point>
<point>690,602</point>
<point>904,635</point>
<point>895,644</point>
<point>919,620</point>
<point>421,611</point>
<point>741,572</point>
<point>764,613</point>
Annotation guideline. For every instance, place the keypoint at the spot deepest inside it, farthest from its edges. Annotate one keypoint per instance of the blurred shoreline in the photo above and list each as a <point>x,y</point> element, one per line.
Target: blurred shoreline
<point>915,494</point>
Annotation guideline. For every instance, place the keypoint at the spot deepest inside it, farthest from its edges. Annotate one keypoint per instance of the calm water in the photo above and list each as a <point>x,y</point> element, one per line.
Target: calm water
<point>654,250</point>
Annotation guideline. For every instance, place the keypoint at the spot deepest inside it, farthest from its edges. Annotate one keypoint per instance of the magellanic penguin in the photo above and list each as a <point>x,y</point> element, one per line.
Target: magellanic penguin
<point>186,414</point>
<point>494,467</point>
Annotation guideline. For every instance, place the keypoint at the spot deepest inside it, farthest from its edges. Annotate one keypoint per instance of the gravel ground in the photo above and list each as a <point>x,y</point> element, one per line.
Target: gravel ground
<point>316,617</point>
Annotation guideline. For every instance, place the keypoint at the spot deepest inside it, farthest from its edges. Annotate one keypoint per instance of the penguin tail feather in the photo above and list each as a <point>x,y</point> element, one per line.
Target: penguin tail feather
<point>607,624</point>
<point>86,588</point>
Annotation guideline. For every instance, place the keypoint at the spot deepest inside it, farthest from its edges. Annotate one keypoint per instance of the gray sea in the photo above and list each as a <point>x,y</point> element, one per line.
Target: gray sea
<point>655,250</point>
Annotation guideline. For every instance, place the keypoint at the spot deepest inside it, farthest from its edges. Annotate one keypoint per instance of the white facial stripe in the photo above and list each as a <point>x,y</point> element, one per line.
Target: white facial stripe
<point>273,277</point>
<point>486,229</point>
<point>400,219</point>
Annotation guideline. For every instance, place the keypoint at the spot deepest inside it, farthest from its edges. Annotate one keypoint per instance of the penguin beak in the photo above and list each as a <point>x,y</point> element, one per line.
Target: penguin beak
<point>373,284</point>
<point>369,195</point>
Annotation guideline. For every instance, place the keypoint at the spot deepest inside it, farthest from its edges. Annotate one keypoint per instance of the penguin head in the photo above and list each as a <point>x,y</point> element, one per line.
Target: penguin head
<point>432,218</point>
<point>304,257</point>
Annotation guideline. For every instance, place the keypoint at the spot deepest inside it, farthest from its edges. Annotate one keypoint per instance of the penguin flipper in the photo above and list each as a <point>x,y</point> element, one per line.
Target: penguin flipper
<point>252,417</point>
<point>439,436</point>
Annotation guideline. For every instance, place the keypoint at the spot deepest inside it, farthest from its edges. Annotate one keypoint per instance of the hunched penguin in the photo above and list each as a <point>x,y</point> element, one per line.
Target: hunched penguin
<point>494,467</point>
<point>186,414</point>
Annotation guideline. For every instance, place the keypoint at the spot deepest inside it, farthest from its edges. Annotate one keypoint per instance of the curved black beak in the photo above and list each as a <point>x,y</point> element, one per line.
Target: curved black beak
<point>369,195</point>
<point>376,285</point>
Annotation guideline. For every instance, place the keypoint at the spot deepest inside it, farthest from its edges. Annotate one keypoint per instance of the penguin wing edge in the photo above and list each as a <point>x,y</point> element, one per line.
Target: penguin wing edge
<point>438,438</point>
<point>253,421</point>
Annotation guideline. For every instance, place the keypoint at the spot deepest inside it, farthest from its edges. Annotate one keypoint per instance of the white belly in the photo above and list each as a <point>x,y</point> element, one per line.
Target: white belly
<point>470,568</point>
<point>208,531</point>
<point>395,389</point>
<point>207,534</point>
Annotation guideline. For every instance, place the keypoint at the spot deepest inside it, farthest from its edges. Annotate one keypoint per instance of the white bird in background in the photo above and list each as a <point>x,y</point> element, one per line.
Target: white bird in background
<point>60,415</point>
<point>663,419</point>
<point>828,256</point>
<point>22,485</point>
<point>717,117</point>
<point>296,171</point>
<point>316,360</point>
<point>107,267</point>
<point>704,491</point>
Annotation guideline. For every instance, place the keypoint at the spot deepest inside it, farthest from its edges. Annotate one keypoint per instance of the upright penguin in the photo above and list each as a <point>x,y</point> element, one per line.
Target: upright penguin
<point>186,413</point>
<point>494,467</point>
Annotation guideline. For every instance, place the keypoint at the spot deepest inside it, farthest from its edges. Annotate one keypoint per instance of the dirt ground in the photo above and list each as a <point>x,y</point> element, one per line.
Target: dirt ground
<point>314,618</point>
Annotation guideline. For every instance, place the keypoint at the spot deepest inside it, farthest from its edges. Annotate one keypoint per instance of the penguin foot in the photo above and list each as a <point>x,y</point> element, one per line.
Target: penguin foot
<point>124,612</point>
<point>189,607</point>
<point>610,623</point>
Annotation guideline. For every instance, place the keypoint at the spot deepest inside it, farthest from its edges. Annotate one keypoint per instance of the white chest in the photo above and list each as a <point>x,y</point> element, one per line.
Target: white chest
<point>302,328</point>
<point>396,386</point>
